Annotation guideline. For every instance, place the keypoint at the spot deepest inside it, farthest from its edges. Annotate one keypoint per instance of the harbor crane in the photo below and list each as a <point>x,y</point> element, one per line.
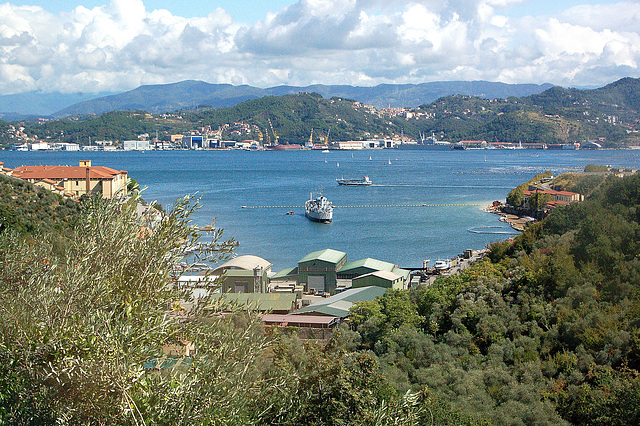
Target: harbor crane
<point>275,135</point>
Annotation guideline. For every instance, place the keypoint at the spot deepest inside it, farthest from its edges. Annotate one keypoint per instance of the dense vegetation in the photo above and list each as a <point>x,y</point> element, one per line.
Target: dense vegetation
<point>116,125</point>
<point>542,331</point>
<point>608,115</point>
<point>26,209</point>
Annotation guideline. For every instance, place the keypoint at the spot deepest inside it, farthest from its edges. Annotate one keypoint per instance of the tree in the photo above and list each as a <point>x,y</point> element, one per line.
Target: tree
<point>83,326</point>
<point>515,197</point>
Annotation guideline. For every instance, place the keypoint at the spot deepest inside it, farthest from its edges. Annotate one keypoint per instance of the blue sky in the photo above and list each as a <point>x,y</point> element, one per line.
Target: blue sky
<point>246,11</point>
<point>117,45</point>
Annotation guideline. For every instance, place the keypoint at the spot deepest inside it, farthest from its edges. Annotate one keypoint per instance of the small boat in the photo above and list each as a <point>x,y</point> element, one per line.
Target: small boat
<point>365,181</point>
<point>443,265</point>
<point>290,212</point>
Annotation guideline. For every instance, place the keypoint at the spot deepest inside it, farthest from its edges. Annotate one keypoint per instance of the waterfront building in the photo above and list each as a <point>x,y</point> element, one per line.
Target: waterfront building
<point>328,272</point>
<point>192,142</point>
<point>63,146</point>
<point>318,271</point>
<point>274,303</point>
<point>558,196</point>
<point>386,279</point>
<point>391,275</point>
<point>136,145</point>
<point>77,180</point>
<point>39,146</point>
<point>339,305</point>
<point>244,274</point>
<point>347,145</point>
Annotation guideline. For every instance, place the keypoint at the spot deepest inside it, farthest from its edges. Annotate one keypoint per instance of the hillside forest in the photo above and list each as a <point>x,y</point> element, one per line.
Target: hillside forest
<point>544,330</point>
<point>608,115</point>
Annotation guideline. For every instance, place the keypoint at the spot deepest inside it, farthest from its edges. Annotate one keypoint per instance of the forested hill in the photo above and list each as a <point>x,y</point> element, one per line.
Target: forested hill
<point>609,115</point>
<point>28,209</point>
<point>544,331</point>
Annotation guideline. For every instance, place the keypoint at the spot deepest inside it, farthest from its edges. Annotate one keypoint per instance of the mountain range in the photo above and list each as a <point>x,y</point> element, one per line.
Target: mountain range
<point>609,115</point>
<point>191,94</point>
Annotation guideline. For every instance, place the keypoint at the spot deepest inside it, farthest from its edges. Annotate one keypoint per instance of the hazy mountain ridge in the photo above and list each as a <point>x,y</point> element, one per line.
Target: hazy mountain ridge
<point>609,115</point>
<point>190,94</point>
<point>19,106</point>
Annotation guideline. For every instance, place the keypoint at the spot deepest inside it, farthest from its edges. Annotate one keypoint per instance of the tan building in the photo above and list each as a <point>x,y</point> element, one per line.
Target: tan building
<point>559,196</point>
<point>244,274</point>
<point>76,180</point>
<point>50,185</point>
<point>5,170</point>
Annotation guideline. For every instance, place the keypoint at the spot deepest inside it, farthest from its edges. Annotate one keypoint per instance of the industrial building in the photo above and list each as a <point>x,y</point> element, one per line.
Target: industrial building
<point>318,271</point>
<point>386,279</point>
<point>339,304</point>
<point>274,303</point>
<point>244,274</point>
<point>136,145</point>
<point>193,142</point>
<point>328,272</point>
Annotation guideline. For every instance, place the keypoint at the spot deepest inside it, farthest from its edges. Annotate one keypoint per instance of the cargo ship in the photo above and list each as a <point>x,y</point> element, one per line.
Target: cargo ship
<point>318,210</point>
<point>365,181</point>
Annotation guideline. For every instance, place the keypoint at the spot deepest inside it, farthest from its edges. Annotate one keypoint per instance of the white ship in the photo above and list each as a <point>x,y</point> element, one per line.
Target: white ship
<point>355,182</point>
<point>318,210</point>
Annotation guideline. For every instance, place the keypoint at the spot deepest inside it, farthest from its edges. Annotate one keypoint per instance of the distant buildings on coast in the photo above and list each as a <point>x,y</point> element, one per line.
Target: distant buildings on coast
<point>182,142</point>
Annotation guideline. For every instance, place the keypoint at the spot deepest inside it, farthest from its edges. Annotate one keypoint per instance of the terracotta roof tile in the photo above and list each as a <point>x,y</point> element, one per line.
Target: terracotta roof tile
<point>62,172</point>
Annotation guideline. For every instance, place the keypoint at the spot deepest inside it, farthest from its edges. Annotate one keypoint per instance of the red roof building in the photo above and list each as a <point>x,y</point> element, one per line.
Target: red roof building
<point>77,180</point>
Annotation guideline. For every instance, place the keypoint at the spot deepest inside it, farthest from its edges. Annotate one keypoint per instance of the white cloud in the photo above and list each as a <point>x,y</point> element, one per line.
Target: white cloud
<point>121,45</point>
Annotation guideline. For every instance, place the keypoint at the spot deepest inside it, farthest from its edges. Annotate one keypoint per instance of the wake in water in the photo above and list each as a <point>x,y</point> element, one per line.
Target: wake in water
<point>494,230</point>
<point>443,186</point>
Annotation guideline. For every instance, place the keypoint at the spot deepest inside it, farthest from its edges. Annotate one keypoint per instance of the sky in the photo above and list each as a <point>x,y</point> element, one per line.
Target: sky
<point>93,46</point>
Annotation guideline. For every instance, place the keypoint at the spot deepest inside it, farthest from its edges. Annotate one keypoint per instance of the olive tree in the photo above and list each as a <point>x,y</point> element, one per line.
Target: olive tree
<point>83,327</point>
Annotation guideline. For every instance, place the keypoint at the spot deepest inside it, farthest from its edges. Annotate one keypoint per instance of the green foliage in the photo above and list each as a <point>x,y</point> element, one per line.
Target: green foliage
<point>81,324</point>
<point>593,168</point>
<point>544,331</point>
<point>25,208</point>
<point>515,197</point>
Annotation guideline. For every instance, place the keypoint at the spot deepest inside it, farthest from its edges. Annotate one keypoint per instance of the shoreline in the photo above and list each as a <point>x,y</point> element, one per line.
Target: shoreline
<point>516,222</point>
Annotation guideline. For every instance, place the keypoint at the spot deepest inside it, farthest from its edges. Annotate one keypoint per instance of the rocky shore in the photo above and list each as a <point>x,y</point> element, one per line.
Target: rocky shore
<point>516,222</point>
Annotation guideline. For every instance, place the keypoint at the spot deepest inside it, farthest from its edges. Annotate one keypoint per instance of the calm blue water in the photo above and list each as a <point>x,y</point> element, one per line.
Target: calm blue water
<point>387,229</point>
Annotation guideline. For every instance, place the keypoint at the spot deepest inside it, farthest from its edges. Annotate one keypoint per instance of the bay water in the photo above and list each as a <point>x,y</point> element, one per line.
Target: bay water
<point>423,205</point>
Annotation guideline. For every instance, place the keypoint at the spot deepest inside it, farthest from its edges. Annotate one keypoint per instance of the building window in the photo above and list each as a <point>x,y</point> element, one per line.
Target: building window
<point>77,183</point>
